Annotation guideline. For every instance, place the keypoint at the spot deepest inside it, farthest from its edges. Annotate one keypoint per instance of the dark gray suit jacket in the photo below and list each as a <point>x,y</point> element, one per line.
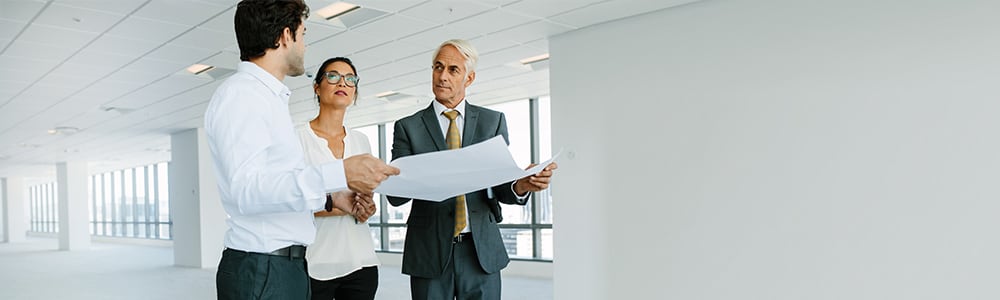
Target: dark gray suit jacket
<point>430,226</point>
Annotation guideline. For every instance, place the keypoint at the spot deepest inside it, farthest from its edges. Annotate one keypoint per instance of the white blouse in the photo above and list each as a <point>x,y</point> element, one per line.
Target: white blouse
<point>341,246</point>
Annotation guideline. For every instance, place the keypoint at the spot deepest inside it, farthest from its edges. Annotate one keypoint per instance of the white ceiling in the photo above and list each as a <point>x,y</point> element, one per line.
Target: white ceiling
<point>65,62</point>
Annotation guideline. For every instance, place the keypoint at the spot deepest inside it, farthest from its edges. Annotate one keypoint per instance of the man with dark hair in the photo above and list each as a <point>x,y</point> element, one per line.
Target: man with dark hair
<point>267,189</point>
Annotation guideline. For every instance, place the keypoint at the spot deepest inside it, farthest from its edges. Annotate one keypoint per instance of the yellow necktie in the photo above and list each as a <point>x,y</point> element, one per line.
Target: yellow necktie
<point>454,141</point>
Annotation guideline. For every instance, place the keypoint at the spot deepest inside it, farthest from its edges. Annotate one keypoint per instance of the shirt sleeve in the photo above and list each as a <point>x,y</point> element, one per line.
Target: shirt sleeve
<point>238,130</point>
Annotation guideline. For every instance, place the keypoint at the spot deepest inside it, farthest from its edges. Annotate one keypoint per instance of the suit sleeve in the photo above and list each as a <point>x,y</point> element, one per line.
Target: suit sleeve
<point>400,148</point>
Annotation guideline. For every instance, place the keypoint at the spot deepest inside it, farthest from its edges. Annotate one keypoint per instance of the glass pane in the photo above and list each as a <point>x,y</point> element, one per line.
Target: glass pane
<point>518,129</point>
<point>397,235</point>
<point>546,247</point>
<point>517,241</point>
<point>164,197</point>
<point>376,237</point>
<point>140,195</point>
<point>398,215</point>
<point>516,214</point>
<point>389,129</point>
<point>544,198</point>
<point>128,197</point>
<point>371,132</point>
<point>377,217</point>
<point>165,231</point>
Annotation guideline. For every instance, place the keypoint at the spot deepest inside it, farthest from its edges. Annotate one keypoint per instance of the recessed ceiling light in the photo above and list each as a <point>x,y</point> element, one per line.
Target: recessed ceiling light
<point>534,59</point>
<point>64,130</point>
<point>199,68</point>
<point>386,94</point>
<point>336,9</point>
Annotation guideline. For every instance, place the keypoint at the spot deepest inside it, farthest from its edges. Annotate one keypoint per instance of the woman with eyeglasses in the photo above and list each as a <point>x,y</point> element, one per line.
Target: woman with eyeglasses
<point>341,261</point>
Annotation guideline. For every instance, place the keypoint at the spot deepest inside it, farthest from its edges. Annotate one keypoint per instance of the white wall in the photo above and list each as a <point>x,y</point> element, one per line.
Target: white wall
<point>780,149</point>
<point>195,208</point>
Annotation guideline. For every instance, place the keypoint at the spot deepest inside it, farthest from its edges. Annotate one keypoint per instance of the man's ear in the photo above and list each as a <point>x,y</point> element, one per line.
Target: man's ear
<point>287,36</point>
<point>470,79</point>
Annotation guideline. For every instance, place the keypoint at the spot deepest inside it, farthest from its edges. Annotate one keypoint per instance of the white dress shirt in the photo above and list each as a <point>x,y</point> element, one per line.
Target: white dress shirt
<point>266,187</point>
<point>342,245</point>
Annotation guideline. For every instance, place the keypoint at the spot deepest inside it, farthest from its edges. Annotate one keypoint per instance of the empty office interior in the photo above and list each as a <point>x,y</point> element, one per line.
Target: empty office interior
<point>715,149</point>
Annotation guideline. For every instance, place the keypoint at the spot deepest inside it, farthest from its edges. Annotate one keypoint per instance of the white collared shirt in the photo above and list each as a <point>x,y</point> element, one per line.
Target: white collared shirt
<point>266,187</point>
<point>342,245</point>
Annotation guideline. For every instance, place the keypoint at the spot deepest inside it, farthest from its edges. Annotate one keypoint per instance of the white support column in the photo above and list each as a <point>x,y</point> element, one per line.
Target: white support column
<point>74,233</point>
<point>15,222</point>
<point>195,208</point>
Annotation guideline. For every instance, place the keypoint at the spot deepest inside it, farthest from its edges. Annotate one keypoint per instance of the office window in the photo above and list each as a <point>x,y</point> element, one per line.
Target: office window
<point>131,203</point>
<point>526,230</point>
<point>44,208</point>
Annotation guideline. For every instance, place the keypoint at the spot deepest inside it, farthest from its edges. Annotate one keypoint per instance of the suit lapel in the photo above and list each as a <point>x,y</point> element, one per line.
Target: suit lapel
<point>471,120</point>
<point>434,128</point>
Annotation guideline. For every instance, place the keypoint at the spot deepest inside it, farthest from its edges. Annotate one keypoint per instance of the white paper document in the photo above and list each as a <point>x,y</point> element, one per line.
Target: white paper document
<point>437,176</point>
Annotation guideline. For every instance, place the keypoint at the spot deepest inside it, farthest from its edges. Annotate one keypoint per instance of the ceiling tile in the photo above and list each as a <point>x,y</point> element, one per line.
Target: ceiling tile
<point>443,12</point>
<point>174,52</point>
<point>432,38</point>
<point>57,36</point>
<point>546,9</point>
<point>531,31</point>
<point>613,10</point>
<point>489,43</point>
<point>206,39</point>
<point>78,19</point>
<point>158,91</point>
<point>109,89</point>
<point>383,5</point>
<point>385,53</point>
<point>395,26</point>
<point>9,29</point>
<point>21,11</point>
<point>182,12</point>
<point>20,48</point>
<point>339,45</point>
<point>89,57</point>
<point>122,7</point>
<point>157,67</point>
<point>319,31</point>
<point>507,56</point>
<point>140,28</point>
<point>223,22</point>
<point>66,78</point>
<point>491,21</point>
<point>29,74</point>
<point>122,46</point>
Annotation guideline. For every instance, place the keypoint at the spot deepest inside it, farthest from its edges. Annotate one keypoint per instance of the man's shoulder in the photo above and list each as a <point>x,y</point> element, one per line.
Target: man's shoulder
<point>415,117</point>
<point>481,110</point>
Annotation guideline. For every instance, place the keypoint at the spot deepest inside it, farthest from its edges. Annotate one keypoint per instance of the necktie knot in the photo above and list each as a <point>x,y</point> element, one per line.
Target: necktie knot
<point>451,115</point>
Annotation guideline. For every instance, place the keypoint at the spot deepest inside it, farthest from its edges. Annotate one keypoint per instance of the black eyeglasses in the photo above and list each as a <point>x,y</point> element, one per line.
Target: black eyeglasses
<point>334,78</point>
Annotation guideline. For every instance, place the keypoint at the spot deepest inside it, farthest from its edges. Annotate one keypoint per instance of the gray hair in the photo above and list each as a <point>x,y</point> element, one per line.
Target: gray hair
<point>468,52</point>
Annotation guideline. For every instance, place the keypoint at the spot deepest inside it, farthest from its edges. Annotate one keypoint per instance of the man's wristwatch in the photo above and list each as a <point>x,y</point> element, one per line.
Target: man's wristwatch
<point>329,202</point>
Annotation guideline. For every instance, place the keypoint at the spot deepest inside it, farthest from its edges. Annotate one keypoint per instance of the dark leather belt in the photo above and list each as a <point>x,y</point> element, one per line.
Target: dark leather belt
<point>465,236</point>
<point>293,251</point>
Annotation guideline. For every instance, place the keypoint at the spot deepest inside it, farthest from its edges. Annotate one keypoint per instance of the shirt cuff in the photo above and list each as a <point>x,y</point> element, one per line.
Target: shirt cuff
<point>519,197</point>
<point>333,176</point>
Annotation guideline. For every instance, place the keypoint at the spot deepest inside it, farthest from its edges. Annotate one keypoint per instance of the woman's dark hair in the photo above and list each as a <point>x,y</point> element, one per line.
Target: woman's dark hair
<point>318,79</point>
<point>259,24</point>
